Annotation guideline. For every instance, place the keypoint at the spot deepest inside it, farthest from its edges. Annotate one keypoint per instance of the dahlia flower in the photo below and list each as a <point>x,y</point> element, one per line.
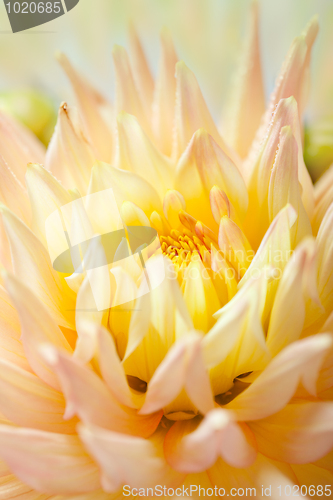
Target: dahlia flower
<point>205,355</point>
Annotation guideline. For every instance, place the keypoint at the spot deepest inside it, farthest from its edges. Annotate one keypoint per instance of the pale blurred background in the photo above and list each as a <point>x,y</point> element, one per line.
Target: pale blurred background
<point>208,35</point>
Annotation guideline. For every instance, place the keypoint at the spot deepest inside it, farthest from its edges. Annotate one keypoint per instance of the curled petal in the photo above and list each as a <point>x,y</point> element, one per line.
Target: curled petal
<point>203,165</point>
<point>138,154</point>
<point>92,107</point>
<point>70,155</point>
<point>12,193</point>
<point>192,113</point>
<point>323,189</point>
<point>299,362</point>
<point>89,398</point>
<point>42,460</point>
<point>217,435</point>
<point>182,367</point>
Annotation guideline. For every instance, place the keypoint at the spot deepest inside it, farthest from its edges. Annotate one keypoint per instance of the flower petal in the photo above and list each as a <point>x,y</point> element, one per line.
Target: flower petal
<point>299,362</point>
<point>70,155</point>
<point>37,327</point>
<point>323,189</point>
<point>12,193</point>
<point>32,265</point>
<point>194,449</point>
<point>141,72</point>
<point>192,113</point>
<point>18,146</point>
<point>203,165</point>
<point>42,460</point>
<point>298,434</point>
<point>127,96</point>
<point>92,107</point>
<point>182,367</point>
<point>165,96</point>
<point>248,100</point>
<point>29,402</point>
<point>89,398</point>
<point>124,460</point>
<point>138,154</point>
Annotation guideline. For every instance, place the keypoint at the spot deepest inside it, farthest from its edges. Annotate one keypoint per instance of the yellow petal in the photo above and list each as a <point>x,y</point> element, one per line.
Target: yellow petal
<point>234,245</point>
<point>70,155</point>
<point>173,203</point>
<point>93,107</point>
<point>248,99</point>
<point>42,460</point>
<point>203,165</point>
<point>126,186</point>
<point>192,113</point>
<point>284,186</point>
<point>298,282</point>
<point>132,215</point>
<point>32,266</point>
<point>165,96</point>
<point>19,146</point>
<point>127,95</point>
<point>137,154</point>
<point>299,362</point>
<point>182,368</point>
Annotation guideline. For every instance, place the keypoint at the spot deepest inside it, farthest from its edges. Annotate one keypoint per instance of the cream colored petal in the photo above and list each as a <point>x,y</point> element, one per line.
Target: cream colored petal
<point>93,110</point>
<point>12,193</point>
<point>37,327</point>
<point>248,99</point>
<point>126,186</point>
<point>132,215</point>
<point>192,113</point>
<point>181,368</point>
<point>43,460</point>
<point>194,449</point>
<point>158,319</point>
<point>297,284</point>
<point>88,397</point>
<point>236,344</point>
<point>19,146</point>
<point>284,187</point>
<point>136,153</point>
<point>165,95</point>
<point>32,266</point>
<point>298,434</point>
<point>293,77</point>
<point>205,164</point>
<point>258,171</point>
<point>124,460</point>
<point>141,72</point>
<point>234,245</point>
<point>70,154</point>
<point>46,195</point>
<point>173,203</point>
<point>27,401</point>
<point>264,473</point>
<point>323,189</point>
<point>200,295</point>
<point>11,348</point>
<point>127,96</point>
<point>299,362</point>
